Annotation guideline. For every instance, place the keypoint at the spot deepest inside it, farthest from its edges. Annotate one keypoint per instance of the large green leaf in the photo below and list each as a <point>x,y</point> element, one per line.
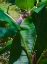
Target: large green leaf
<point>40,21</point>
<point>5,17</point>
<point>7,32</point>
<point>28,35</point>
<point>16,49</point>
<point>25,4</point>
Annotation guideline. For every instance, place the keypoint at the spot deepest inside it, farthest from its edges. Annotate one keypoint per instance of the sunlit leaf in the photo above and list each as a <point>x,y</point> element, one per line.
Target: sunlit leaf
<point>25,4</point>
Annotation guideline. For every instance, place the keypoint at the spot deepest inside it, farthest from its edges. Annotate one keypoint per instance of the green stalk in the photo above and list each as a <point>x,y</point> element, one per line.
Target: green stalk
<point>37,2</point>
<point>41,56</point>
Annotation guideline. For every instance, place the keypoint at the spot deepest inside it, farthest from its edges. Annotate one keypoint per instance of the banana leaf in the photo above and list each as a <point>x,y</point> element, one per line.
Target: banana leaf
<point>25,4</point>
<point>40,22</point>
<point>28,35</point>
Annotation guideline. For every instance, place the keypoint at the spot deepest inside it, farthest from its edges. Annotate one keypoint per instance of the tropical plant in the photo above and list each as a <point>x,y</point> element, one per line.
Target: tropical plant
<point>25,34</point>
